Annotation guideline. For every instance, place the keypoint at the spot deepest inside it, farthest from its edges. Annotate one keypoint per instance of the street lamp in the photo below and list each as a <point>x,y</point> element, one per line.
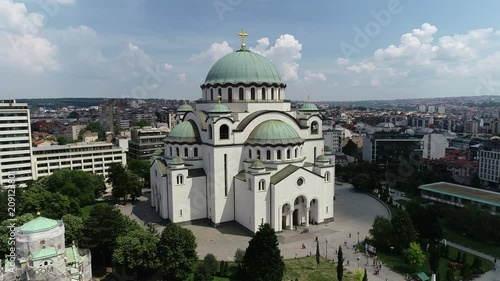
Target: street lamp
<point>392,248</point>
<point>326,249</point>
<point>358,237</point>
<point>358,262</point>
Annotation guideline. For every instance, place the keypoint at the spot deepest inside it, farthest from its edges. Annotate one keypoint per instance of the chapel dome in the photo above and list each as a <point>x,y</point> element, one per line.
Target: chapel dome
<point>185,108</point>
<point>309,107</point>
<point>274,132</point>
<point>219,108</point>
<point>184,132</point>
<point>243,67</point>
<point>40,224</point>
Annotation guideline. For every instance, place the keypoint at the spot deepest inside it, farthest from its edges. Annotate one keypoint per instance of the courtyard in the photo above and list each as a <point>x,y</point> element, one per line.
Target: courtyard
<point>354,213</point>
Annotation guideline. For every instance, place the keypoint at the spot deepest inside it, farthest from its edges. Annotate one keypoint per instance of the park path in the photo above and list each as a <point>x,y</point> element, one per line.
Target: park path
<point>493,275</point>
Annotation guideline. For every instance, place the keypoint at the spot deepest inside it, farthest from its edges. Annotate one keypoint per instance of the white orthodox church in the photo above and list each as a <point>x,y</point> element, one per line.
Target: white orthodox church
<point>242,154</point>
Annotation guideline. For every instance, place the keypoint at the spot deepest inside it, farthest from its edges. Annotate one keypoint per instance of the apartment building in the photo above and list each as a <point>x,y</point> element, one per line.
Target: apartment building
<point>145,141</point>
<point>385,148</point>
<point>94,157</point>
<point>489,163</point>
<point>15,143</point>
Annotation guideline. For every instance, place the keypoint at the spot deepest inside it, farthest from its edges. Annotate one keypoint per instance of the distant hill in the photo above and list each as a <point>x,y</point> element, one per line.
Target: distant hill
<point>61,102</point>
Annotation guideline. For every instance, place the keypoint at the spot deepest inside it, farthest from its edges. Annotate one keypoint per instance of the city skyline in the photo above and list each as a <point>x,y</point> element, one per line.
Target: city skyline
<point>152,49</point>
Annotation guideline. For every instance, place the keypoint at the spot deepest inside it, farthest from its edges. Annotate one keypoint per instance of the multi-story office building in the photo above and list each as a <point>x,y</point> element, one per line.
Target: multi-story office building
<point>150,117</point>
<point>386,148</point>
<point>92,157</point>
<point>15,143</point>
<point>489,163</point>
<point>145,141</point>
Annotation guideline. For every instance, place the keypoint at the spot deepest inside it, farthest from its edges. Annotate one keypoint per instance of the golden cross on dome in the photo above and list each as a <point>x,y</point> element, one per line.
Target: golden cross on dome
<point>242,34</point>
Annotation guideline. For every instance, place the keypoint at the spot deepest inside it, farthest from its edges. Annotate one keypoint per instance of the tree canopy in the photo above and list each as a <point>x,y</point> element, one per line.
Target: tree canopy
<point>93,127</point>
<point>137,250</point>
<point>262,261</point>
<point>177,251</point>
<point>381,233</point>
<point>73,227</point>
<point>142,123</point>
<point>403,231</point>
<point>414,256</point>
<point>124,182</point>
<point>51,204</point>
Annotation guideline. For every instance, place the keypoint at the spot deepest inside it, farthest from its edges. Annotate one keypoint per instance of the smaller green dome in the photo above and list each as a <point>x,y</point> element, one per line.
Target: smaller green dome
<point>185,108</point>
<point>184,132</point>
<point>177,161</point>
<point>309,107</point>
<point>274,132</point>
<point>322,159</point>
<point>40,224</point>
<point>219,108</point>
<point>257,165</point>
<point>327,148</point>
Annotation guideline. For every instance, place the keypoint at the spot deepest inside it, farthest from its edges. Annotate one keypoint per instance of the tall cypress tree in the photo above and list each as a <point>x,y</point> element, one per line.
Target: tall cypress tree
<point>262,260</point>
<point>340,264</point>
<point>317,253</point>
<point>435,254</point>
<point>365,277</point>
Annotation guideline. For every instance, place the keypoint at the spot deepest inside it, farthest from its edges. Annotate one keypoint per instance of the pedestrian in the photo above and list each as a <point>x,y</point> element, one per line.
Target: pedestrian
<point>316,239</point>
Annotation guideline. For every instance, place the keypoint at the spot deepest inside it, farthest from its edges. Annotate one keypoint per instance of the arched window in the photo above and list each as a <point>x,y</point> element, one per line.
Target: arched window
<point>278,154</point>
<point>195,152</point>
<point>258,154</point>
<point>170,151</point>
<point>263,93</point>
<point>230,95</point>
<point>262,185</point>
<point>242,95</point>
<point>250,153</point>
<point>212,94</point>
<point>224,132</point>
<point>314,128</point>
<point>186,152</point>
<point>220,93</point>
<point>268,155</point>
<point>252,94</point>
<point>180,179</point>
<point>297,152</point>
<point>210,132</point>
<point>176,151</point>
<point>272,93</point>
<point>327,176</point>
<point>288,154</point>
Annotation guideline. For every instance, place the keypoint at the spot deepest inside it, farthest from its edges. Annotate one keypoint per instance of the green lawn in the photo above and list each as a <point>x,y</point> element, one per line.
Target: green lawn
<point>85,211</point>
<point>455,237</point>
<point>304,269</point>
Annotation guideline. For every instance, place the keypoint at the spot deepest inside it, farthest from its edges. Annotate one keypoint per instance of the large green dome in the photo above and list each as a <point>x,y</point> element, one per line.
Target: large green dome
<point>274,132</point>
<point>243,67</point>
<point>184,132</point>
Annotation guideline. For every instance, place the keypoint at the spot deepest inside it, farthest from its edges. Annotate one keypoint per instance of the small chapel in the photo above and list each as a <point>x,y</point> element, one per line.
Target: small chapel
<point>242,154</point>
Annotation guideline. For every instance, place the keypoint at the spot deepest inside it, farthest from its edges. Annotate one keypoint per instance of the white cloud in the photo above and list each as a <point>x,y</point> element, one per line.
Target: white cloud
<point>284,54</point>
<point>214,52</point>
<point>362,67</point>
<point>311,76</point>
<point>342,61</point>
<point>22,46</point>
<point>167,66</point>
<point>66,2</point>
<point>182,77</point>
<point>83,42</point>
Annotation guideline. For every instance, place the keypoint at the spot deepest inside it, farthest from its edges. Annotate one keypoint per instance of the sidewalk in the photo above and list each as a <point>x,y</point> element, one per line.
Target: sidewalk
<point>493,275</point>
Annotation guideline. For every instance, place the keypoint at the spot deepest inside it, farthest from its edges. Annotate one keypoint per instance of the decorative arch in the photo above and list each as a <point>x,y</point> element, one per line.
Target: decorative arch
<point>224,132</point>
<point>278,154</point>
<point>296,152</point>
<point>186,152</point>
<point>195,152</point>
<point>262,185</point>
<point>288,154</point>
<point>314,128</point>
<point>263,93</point>
<point>241,94</point>
<point>252,93</point>
<point>268,154</point>
<point>314,211</point>
<point>230,95</point>
<point>327,176</point>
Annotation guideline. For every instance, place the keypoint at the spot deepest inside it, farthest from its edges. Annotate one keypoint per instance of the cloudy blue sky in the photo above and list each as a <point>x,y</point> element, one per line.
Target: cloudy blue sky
<point>331,50</point>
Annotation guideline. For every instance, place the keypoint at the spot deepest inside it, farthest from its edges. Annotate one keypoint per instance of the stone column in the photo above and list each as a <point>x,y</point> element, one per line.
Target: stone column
<point>290,220</point>
<point>307,215</point>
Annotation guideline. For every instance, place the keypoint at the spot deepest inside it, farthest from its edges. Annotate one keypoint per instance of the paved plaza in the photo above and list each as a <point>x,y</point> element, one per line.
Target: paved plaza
<point>354,212</point>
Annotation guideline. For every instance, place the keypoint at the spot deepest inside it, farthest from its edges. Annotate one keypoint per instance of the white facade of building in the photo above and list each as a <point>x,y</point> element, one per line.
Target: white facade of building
<point>92,157</point>
<point>243,155</point>
<point>489,165</point>
<point>15,143</point>
<point>434,146</point>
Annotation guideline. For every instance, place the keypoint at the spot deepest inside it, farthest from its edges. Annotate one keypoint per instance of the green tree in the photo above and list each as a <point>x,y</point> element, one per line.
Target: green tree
<point>211,263</point>
<point>340,264</point>
<point>466,271</point>
<point>136,250</point>
<point>476,181</point>
<point>351,149</point>
<point>4,200</point>
<point>93,127</point>
<point>222,269</point>
<point>381,232</point>
<point>459,256</point>
<point>51,205</point>
<point>124,182</point>
<point>414,256</point>
<point>177,251</point>
<point>317,253</point>
<point>62,141</point>
<point>101,230</point>
<point>79,185</point>
<point>238,257</point>
<point>141,169</point>
<point>464,259</point>
<point>365,276</point>
<point>142,123</point>
<point>363,182</point>
<point>203,273</point>
<point>73,227</point>
<point>403,231</point>
<point>262,261</point>
<point>434,256</point>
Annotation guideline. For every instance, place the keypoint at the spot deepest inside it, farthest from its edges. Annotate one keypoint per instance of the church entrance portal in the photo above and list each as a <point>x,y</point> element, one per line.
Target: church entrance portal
<point>296,217</point>
<point>313,212</point>
<point>286,218</point>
